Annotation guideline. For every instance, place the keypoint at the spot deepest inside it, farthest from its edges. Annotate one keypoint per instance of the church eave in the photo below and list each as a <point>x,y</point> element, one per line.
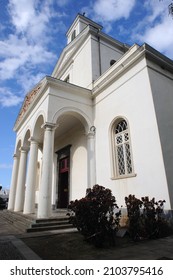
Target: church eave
<point>155,56</point>
<point>59,84</point>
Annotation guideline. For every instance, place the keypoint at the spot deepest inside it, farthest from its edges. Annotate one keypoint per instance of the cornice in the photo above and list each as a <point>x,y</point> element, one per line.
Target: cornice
<point>127,61</point>
<point>72,88</point>
<point>153,55</point>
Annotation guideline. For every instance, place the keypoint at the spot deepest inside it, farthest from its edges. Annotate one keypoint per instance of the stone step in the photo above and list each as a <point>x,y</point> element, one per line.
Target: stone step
<point>49,223</point>
<point>53,219</point>
<point>17,220</point>
<point>49,227</point>
<point>27,223</point>
<point>54,223</point>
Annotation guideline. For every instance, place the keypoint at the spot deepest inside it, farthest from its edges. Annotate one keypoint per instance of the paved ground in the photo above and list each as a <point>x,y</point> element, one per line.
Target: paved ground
<point>70,245</point>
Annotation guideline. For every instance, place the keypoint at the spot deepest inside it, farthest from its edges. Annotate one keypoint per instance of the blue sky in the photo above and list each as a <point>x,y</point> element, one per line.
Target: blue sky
<point>32,36</point>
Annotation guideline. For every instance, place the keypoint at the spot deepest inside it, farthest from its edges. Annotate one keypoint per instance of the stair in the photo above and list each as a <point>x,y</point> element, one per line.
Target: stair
<point>58,223</point>
<point>28,223</point>
<point>17,219</point>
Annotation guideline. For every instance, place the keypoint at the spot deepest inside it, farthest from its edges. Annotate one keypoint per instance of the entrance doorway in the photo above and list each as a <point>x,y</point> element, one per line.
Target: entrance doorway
<point>63,177</point>
<point>63,188</point>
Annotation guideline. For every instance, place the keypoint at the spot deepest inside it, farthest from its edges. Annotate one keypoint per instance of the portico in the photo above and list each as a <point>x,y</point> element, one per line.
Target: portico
<point>37,144</point>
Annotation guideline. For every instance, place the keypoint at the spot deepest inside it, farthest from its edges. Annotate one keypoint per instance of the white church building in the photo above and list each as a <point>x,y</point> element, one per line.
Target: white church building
<point>104,116</point>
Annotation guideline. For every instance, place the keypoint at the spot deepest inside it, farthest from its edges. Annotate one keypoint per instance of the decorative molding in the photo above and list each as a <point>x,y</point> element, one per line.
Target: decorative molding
<point>91,132</point>
<point>49,126</point>
<point>24,149</point>
<point>28,100</point>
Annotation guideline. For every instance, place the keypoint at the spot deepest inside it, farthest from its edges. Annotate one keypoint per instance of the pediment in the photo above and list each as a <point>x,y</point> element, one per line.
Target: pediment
<point>29,99</point>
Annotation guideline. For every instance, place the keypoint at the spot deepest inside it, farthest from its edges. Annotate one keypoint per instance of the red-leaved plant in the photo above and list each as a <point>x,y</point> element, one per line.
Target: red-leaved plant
<point>96,216</point>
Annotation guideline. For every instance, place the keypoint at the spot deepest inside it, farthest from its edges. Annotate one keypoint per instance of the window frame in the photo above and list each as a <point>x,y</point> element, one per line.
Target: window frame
<point>73,35</point>
<point>114,159</point>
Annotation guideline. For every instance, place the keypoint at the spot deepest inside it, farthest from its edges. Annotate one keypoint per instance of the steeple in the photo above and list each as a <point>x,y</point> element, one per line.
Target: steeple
<point>78,25</point>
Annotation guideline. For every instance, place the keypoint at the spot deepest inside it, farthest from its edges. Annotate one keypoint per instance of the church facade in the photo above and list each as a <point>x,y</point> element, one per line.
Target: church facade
<point>104,116</point>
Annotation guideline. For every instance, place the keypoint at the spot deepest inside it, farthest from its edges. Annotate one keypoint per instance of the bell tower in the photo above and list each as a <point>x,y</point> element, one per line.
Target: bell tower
<point>78,25</point>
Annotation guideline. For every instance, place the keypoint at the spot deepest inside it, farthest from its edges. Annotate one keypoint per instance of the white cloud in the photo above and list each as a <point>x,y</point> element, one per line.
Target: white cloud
<point>17,52</point>
<point>113,10</point>
<point>161,36</point>
<point>27,79</point>
<point>24,52</point>
<point>22,13</point>
<point>109,11</point>
<point>8,99</point>
<point>156,28</point>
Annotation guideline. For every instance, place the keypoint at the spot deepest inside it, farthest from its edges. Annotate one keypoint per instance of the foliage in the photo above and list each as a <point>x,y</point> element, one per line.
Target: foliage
<point>96,215</point>
<point>134,205</point>
<point>146,218</point>
<point>170,8</point>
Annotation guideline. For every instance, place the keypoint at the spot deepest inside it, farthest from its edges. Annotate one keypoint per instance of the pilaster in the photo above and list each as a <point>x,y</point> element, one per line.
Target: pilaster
<point>91,157</point>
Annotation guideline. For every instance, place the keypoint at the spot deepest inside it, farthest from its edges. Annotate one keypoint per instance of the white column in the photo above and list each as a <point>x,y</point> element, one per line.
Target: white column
<point>20,191</point>
<point>91,157</point>
<point>29,204</point>
<point>45,192</point>
<point>12,194</point>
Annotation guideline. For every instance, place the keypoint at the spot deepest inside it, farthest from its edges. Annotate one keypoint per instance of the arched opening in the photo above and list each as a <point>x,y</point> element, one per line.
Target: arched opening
<point>71,157</point>
<point>38,130</point>
<point>26,143</point>
<point>112,62</point>
<point>18,146</point>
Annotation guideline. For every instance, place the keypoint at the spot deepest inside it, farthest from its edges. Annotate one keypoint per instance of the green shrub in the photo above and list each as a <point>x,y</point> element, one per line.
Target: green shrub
<point>96,215</point>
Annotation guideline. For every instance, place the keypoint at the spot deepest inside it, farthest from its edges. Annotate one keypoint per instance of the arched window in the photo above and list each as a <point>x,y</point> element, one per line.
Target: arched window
<point>112,62</point>
<point>122,154</point>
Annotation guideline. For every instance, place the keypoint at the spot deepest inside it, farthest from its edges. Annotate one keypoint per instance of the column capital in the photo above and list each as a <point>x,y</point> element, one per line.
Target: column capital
<point>15,156</point>
<point>91,132</point>
<point>33,140</point>
<point>24,149</point>
<point>49,126</point>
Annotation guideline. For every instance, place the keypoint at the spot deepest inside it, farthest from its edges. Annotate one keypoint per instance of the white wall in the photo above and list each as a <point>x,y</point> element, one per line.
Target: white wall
<point>162,89</point>
<point>131,97</point>
<point>82,68</point>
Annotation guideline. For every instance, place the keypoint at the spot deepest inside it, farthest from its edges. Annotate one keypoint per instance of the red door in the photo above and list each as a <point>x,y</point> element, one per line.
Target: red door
<point>63,186</point>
